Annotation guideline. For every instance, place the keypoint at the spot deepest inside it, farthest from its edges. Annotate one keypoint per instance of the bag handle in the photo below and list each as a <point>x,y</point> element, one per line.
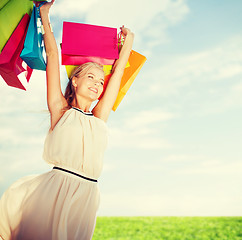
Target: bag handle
<point>39,18</point>
<point>120,40</point>
<point>40,5</point>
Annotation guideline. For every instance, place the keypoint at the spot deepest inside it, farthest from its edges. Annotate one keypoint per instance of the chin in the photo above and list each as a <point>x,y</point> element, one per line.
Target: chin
<point>93,98</point>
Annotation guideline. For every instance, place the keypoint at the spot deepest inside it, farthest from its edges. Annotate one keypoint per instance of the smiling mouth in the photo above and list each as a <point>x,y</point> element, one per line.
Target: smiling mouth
<point>94,90</point>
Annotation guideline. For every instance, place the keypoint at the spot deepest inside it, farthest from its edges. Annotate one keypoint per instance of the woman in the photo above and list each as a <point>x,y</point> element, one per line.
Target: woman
<point>62,203</point>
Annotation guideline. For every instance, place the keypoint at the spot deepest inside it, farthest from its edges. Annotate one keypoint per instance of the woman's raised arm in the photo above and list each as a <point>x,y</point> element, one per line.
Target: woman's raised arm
<point>55,98</point>
<point>104,106</point>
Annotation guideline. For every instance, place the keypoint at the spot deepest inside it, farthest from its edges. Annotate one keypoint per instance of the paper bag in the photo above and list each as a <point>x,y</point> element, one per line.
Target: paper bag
<point>11,65</point>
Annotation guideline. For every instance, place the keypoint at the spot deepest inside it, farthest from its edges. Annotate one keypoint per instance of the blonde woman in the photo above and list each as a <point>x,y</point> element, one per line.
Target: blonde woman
<point>62,204</point>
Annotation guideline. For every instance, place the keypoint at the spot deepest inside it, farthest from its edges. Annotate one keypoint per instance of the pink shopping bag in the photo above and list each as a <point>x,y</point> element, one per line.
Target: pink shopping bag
<point>11,65</point>
<point>85,42</point>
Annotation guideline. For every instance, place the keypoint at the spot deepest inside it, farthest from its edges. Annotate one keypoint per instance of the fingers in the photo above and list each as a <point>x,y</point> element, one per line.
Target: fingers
<point>36,3</point>
<point>45,4</point>
<point>124,31</point>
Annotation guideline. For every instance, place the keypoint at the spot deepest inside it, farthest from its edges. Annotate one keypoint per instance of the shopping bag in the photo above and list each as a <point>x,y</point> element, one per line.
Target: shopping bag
<point>79,60</point>
<point>70,68</point>
<point>2,3</point>
<point>32,53</point>
<point>83,43</point>
<point>11,12</point>
<point>136,61</point>
<point>106,68</point>
<point>11,65</point>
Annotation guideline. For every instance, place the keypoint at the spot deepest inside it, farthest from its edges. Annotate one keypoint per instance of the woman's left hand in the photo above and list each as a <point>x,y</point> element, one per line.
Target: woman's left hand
<point>125,31</point>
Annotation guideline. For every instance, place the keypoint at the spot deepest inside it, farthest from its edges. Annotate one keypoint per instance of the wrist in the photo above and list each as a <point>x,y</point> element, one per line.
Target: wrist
<point>130,35</point>
<point>44,12</point>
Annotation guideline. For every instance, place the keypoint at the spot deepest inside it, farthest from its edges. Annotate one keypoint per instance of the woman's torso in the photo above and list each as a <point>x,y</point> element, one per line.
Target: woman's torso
<point>77,142</point>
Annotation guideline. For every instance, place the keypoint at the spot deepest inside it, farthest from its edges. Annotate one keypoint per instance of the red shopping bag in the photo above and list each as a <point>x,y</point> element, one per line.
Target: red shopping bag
<point>11,65</point>
<point>88,43</point>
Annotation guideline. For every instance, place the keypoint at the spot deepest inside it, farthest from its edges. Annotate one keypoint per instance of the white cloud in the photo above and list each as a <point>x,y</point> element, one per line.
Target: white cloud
<point>219,63</point>
<point>166,205</point>
<point>140,130</point>
<point>23,125</point>
<point>233,97</point>
<point>148,20</point>
<point>136,138</point>
<point>213,168</point>
<point>110,12</point>
<point>107,167</point>
<point>206,82</point>
<point>183,158</point>
<point>16,100</point>
<point>71,9</point>
<point>147,118</point>
<point>229,71</point>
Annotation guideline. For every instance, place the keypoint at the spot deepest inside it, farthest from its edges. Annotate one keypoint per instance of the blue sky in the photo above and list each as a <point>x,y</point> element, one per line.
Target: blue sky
<point>175,140</point>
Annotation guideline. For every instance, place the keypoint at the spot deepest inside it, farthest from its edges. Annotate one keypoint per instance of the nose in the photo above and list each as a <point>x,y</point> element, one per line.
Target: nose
<point>97,83</point>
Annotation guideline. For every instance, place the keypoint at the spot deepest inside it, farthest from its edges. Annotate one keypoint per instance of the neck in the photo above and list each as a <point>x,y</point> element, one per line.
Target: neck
<point>82,104</point>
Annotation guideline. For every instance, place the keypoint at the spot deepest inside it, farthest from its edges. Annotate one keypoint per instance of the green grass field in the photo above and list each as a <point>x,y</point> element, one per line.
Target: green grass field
<point>168,228</point>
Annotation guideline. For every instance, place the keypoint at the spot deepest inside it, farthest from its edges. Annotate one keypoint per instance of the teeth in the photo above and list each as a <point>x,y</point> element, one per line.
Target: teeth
<point>93,89</point>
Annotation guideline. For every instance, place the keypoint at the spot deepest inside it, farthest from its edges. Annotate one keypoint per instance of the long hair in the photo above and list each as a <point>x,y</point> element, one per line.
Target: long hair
<point>70,93</point>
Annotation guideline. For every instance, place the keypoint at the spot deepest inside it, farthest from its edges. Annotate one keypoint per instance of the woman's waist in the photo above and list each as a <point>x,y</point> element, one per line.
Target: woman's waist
<point>72,172</point>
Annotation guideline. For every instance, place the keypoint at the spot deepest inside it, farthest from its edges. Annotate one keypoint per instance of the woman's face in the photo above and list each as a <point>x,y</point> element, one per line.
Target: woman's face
<point>90,85</point>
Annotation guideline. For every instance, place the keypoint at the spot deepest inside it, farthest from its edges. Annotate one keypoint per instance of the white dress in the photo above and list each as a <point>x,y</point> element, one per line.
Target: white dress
<point>59,205</point>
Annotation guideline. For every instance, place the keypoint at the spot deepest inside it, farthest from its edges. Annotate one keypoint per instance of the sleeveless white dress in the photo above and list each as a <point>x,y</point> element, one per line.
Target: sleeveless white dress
<point>59,205</point>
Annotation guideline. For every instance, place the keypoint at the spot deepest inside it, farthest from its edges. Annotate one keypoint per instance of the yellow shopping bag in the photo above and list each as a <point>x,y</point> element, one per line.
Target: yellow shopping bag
<point>106,68</point>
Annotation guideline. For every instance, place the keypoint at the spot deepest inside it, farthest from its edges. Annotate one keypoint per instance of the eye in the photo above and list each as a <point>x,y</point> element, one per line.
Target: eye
<point>90,76</point>
<point>102,83</point>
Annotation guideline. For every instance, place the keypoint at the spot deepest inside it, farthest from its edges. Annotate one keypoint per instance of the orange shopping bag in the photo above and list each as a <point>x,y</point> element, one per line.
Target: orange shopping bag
<point>136,61</point>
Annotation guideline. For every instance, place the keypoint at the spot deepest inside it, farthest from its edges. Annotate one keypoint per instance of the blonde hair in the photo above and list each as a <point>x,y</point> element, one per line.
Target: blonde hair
<point>70,93</point>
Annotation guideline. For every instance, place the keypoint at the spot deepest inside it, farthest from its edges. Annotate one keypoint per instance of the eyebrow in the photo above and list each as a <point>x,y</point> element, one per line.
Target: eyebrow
<point>95,76</point>
<point>91,74</point>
